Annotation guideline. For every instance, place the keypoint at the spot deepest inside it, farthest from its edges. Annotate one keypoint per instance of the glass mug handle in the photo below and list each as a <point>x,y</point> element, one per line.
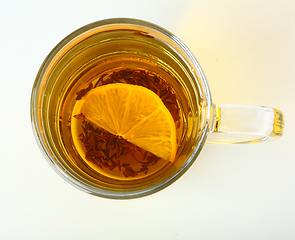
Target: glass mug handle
<point>245,124</point>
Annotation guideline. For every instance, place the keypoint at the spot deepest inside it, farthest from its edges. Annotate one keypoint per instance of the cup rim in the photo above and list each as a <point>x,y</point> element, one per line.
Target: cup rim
<point>208,110</point>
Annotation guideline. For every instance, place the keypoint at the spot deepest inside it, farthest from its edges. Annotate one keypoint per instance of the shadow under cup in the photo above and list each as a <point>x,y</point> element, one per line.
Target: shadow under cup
<point>77,59</point>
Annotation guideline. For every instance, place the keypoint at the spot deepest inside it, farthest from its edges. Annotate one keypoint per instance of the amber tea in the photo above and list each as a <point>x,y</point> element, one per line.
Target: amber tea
<point>88,145</point>
<point>97,152</point>
<point>102,154</point>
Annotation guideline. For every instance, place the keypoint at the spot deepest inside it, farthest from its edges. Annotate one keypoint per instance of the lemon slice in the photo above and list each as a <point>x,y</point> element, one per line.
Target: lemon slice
<point>133,112</point>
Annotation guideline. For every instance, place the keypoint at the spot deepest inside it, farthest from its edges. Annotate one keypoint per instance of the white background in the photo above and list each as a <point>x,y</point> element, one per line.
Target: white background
<point>247,51</point>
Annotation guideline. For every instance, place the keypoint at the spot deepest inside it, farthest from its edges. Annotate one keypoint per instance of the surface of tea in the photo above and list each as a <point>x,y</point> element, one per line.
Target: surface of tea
<point>111,155</point>
<point>125,57</point>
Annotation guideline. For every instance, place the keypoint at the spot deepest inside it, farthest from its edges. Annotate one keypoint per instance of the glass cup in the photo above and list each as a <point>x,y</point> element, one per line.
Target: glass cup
<point>84,51</point>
